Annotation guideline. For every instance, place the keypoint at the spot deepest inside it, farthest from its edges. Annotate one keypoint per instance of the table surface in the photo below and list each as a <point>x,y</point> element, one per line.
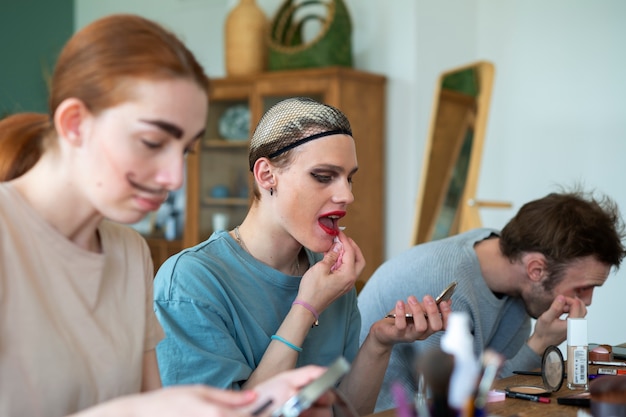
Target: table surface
<point>516,407</point>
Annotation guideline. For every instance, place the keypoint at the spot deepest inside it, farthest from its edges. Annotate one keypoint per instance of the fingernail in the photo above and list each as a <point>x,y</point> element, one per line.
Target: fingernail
<point>412,300</point>
<point>337,246</point>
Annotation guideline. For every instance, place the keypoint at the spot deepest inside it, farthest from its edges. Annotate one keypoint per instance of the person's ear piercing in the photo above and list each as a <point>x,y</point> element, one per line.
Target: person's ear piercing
<point>271,191</point>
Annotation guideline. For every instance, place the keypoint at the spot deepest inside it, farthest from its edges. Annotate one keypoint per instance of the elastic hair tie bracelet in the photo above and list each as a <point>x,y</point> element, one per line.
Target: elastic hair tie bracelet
<point>286,342</point>
<point>311,309</point>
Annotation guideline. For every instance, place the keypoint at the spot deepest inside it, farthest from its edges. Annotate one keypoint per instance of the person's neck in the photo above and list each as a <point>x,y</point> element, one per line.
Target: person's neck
<point>499,273</point>
<point>271,245</point>
<point>55,199</point>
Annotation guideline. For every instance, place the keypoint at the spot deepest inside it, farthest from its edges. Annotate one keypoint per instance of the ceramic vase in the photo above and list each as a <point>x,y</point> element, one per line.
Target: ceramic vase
<point>245,35</point>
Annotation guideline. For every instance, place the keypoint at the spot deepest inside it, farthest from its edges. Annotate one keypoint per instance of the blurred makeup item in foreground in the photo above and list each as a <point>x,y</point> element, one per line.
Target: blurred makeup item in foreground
<point>608,396</point>
<point>458,341</point>
<point>404,407</point>
<point>435,372</point>
<point>435,367</point>
<point>491,363</point>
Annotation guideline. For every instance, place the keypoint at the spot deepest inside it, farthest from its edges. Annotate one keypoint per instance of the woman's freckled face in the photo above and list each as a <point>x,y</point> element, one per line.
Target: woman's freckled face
<point>134,152</point>
<point>317,182</point>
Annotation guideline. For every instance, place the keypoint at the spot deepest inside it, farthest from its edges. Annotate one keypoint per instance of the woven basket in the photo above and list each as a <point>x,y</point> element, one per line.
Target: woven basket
<point>332,46</point>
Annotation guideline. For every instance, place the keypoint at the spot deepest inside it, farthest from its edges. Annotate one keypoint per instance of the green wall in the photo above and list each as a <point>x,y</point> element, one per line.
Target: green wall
<point>32,33</point>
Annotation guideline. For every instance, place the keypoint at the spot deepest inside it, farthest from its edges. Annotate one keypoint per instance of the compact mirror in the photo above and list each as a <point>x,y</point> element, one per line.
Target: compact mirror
<point>552,374</point>
<point>552,368</point>
<point>446,294</point>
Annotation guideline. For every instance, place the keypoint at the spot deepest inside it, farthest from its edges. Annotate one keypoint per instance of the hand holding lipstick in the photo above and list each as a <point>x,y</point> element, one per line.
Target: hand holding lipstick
<point>340,258</point>
<point>334,275</point>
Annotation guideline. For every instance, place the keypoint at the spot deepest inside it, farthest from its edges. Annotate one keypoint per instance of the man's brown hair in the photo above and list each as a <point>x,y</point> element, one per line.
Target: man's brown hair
<point>565,227</point>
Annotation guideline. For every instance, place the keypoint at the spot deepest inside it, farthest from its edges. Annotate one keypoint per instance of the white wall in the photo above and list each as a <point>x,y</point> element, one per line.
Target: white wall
<point>558,114</point>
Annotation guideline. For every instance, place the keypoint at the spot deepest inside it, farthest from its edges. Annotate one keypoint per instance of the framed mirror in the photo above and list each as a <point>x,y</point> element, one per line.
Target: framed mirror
<point>446,203</point>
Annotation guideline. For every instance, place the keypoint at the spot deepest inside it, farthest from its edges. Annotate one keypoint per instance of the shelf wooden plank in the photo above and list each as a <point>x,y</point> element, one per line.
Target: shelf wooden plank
<point>224,144</point>
<point>228,201</point>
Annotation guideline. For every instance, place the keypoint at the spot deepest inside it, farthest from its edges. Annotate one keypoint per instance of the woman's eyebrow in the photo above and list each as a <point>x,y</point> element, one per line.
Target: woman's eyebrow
<point>200,134</point>
<point>170,128</point>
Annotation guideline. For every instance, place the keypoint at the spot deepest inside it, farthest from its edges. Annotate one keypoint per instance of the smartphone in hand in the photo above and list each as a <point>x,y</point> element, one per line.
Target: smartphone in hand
<point>311,392</point>
<point>445,295</point>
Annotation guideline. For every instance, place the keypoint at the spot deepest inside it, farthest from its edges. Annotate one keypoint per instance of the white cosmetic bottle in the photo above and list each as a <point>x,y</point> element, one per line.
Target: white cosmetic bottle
<point>577,354</point>
<point>459,342</point>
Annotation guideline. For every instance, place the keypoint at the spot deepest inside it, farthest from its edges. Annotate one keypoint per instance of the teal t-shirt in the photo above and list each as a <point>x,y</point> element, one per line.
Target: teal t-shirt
<point>219,306</point>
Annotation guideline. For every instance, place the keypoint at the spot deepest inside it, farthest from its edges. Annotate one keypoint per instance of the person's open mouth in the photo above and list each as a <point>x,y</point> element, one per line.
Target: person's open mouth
<point>329,222</point>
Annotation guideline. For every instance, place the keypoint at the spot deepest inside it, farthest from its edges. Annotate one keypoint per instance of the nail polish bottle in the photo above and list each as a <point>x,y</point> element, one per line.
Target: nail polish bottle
<point>577,354</point>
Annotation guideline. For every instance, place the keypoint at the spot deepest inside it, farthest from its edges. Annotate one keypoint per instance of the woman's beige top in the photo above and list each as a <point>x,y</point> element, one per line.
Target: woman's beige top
<point>74,325</point>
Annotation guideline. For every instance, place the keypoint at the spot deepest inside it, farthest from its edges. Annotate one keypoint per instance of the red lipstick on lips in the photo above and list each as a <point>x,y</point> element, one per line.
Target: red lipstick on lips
<point>329,221</point>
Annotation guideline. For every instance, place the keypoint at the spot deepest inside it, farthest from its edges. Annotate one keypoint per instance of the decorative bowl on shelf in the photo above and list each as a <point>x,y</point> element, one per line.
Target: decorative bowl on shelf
<point>219,191</point>
<point>235,123</point>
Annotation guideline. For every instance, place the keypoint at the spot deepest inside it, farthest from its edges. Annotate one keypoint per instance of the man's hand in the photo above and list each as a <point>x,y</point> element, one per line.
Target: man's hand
<point>550,329</point>
<point>428,318</point>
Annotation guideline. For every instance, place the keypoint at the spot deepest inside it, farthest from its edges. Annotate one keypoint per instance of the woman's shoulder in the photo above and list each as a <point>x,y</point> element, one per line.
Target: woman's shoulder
<point>8,197</point>
<point>4,200</point>
<point>208,266</point>
<point>217,251</point>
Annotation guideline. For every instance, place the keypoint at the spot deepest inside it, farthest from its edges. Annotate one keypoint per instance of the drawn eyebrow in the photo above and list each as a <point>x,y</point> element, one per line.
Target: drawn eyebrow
<point>170,128</point>
<point>335,168</point>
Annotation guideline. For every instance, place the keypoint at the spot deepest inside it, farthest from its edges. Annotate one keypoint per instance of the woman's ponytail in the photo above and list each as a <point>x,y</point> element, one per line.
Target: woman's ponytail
<point>21,143</point>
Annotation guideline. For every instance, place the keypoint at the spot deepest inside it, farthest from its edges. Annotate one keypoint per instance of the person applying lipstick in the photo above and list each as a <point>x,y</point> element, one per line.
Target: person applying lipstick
<point>277,291</point>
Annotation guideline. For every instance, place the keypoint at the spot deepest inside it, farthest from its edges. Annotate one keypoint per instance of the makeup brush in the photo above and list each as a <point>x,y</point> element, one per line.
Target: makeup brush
<point>491,363</point>
<point>436,366</point>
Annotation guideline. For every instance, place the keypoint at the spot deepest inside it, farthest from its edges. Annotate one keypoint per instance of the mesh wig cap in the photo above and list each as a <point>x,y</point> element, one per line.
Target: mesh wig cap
<point>291,123</point>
